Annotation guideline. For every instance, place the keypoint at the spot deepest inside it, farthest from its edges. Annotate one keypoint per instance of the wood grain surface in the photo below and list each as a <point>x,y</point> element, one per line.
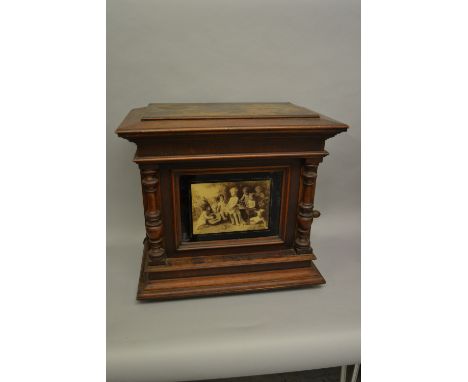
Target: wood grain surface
<point>175,140</point>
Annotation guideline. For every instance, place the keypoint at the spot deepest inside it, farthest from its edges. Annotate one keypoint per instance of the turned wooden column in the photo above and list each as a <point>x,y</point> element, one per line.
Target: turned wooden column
<point>153,223</point>
<point>306,212</point>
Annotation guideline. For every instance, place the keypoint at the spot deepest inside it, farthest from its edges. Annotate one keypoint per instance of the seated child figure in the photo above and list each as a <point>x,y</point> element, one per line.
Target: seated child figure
<point>259,218</point>
<point>207,217</point>
<point>251,203</point>
<point>232,207</point>
<point>244,197</point>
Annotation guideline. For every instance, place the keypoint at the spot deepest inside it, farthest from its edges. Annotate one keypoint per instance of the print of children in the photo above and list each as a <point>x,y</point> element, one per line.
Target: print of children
<point>221,208</point>
<point>232,207</point>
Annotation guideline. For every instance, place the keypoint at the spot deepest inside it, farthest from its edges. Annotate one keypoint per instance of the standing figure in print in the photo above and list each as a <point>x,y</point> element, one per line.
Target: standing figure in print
<point>221,208</point>
<point>232,207</point>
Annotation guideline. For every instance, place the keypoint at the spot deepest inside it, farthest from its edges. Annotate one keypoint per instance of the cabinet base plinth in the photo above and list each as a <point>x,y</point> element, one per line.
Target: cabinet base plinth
<point>184,277</point>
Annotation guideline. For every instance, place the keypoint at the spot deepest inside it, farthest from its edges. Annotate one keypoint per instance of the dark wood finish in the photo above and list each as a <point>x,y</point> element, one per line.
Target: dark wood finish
<point>306,212</point>
<point>180,111</point>
<point>185,139</point>
<point>236,280</point>
<point>152,209</point>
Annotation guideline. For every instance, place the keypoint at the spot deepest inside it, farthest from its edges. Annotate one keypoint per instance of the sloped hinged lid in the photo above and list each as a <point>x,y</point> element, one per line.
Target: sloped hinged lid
<point>180,119</point>
<point>171,111</point>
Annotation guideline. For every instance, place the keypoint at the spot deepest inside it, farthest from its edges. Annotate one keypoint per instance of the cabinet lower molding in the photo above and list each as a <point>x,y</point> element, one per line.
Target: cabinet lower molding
<point>226,274</point>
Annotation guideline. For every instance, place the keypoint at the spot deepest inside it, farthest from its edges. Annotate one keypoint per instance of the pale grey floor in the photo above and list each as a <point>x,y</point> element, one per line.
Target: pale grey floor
<point>319,375</point>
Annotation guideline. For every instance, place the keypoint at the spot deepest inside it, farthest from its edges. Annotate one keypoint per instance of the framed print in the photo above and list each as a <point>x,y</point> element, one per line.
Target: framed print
<point>218,208</point>
<point>230,205</point>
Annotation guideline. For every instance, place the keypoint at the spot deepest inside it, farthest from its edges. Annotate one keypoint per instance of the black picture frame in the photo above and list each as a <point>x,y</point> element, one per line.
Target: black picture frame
<point>276,180</point>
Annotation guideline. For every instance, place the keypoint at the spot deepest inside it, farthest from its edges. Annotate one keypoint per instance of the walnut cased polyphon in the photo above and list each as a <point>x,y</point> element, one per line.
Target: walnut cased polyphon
<point>228,195</point>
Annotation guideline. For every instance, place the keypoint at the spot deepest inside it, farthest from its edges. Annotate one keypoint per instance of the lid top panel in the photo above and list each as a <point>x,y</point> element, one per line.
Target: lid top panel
<point>179,111</point>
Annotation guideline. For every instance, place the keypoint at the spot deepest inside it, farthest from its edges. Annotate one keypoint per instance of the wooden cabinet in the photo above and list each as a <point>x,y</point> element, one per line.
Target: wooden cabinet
<point>228,195</point>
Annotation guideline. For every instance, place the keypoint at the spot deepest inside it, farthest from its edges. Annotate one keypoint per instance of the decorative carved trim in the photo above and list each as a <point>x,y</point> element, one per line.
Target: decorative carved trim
<point>306,212</point>
<point>141,158</point>
<point>153,247</point>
